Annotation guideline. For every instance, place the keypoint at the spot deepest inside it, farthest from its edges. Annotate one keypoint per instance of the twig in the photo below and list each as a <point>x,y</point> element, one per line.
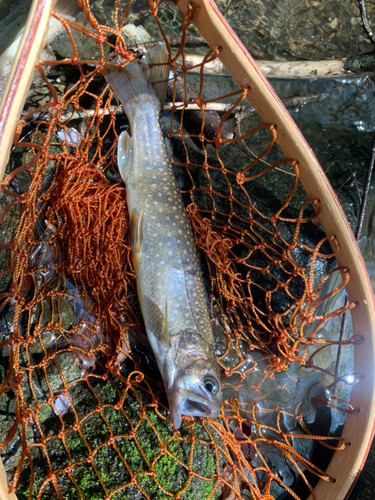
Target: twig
<point>366,25</point>
<point>168,106</point>
<point>335,68</point>
<point>273,69</point>
<point>241,112</point>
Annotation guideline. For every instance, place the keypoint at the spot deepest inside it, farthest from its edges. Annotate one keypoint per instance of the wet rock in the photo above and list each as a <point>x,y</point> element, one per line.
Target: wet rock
<point>67,363</point>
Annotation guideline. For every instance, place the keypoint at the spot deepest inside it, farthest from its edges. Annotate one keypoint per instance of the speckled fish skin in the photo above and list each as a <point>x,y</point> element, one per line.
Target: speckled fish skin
<point>168,272</point>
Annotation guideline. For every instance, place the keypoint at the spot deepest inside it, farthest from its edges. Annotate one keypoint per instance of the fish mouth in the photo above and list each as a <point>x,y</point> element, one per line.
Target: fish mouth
<point>192,404</point>
<point>195,408</point>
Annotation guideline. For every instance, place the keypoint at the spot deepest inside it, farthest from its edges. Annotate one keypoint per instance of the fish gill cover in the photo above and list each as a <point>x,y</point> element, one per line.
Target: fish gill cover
<point>83,410</point>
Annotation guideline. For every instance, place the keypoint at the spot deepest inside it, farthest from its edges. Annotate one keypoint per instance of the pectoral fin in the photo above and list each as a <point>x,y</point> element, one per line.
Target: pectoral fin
<point>156,322</point>
<point>164,334</point>
<point>136,226</point>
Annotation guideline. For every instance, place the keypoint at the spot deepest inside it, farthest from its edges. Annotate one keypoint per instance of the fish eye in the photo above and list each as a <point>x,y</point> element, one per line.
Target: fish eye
<point>211,385</point>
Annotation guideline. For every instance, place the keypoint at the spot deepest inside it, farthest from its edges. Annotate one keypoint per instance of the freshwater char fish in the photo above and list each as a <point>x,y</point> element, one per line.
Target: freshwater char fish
<point>168,273</point>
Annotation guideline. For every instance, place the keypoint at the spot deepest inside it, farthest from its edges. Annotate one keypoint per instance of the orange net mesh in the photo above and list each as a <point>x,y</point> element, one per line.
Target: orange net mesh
<point>82,402</point>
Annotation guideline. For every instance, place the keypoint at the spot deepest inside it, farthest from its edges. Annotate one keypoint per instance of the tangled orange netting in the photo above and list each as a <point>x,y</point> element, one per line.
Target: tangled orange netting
<point>82,401</point>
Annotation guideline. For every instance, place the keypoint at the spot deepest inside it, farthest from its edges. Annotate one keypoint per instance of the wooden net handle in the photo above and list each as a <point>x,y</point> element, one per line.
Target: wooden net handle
<point>11,105</point>
<point>4,495</point>
<point>21,75</point>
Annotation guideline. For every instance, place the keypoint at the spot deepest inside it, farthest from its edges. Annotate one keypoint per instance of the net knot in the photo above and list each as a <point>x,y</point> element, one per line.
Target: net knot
<point>75,61</point>
<point>218,141</point>
<point>240,178</point>
<point>280,364</point>
<point>27,415</point>
<point>125,54</point>
<point>153,8</point>
<point>355,340</point>
<point>101,37</point>
<point>201,103</point>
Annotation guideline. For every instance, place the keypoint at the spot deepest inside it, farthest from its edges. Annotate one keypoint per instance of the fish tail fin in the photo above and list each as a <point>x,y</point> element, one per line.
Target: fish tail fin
<point>157,60</point>
<point>150,76</point>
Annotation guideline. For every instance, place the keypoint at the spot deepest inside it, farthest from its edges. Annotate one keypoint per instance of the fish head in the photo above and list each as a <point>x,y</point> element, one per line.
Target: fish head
<point>196,390</point>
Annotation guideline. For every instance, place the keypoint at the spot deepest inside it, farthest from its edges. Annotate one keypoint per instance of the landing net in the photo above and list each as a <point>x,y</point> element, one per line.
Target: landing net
<point>82,404</point>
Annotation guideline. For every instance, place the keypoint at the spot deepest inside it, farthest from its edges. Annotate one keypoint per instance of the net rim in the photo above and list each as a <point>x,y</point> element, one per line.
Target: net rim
<point>359,428</point>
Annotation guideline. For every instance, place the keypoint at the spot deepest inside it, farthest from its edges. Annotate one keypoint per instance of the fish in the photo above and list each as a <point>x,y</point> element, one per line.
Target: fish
<point>168,273</point>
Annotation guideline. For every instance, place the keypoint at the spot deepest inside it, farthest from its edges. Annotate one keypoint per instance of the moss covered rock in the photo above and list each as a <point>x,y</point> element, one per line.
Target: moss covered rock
<point>128,450</point>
